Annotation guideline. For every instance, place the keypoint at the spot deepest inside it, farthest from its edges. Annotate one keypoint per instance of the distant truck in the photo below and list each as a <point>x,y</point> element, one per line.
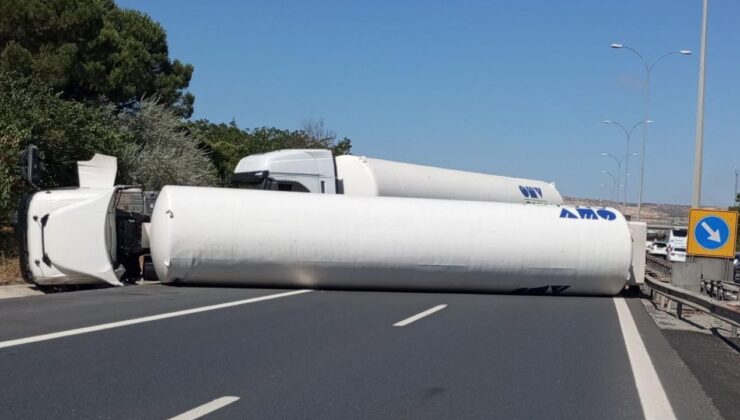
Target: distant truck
<point>318,171</point>
<point>676,249</point>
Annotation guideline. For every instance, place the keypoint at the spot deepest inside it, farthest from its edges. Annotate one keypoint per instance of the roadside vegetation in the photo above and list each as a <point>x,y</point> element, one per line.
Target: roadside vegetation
<point>736,207</point>
<point>86,76</point>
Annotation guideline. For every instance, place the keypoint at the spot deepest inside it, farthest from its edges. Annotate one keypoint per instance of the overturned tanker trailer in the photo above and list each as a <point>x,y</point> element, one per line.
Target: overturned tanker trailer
<point>260,238</point>
<point>319,171</point>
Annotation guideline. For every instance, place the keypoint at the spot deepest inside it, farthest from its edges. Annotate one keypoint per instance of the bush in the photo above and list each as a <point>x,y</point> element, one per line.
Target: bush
<point>159,151</point>
<point>228,144</point>
<point>64,131</point>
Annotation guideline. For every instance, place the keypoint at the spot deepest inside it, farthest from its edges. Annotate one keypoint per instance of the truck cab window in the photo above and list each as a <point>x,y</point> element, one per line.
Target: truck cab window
<point>288,186</point>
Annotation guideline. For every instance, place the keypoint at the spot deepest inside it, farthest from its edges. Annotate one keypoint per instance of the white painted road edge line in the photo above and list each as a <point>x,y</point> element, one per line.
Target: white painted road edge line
<point>419,316</point>
<point>654,401</point>
<point>206,408</point>
<point>93,328</point>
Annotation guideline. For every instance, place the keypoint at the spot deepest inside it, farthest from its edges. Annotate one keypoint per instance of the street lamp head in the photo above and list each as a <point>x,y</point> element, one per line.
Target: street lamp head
<point>686,52</point>
<point>605,154</point>
<point>607,121</point>
<point>616,45</point>
<point>649,121</point>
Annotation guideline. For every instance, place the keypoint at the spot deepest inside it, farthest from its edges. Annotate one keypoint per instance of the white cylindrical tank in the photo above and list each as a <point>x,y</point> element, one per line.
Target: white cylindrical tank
<point>270,239</point>
<point>375,177</point>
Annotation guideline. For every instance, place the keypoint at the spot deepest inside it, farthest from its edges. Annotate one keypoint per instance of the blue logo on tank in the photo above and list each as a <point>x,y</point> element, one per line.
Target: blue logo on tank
<point>587,213</point>
<point>530,192</point>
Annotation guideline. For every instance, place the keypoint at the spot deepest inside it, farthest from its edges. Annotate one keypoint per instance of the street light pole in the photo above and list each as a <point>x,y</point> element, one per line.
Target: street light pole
<point>648,71</point>
<point>619,172</point>
<point>628,135</point>
<point>699,147</point>
<point>735,198</point>
<point>614,183</point>
<point>608,189</point>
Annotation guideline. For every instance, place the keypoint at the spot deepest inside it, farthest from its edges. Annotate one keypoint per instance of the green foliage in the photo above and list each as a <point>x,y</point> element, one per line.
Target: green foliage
<point>736,207</point>
<point>65,132</point>
<point>160,151</point>
<point>79,77</point>
<point>92,49</point>
<point>228,143</point>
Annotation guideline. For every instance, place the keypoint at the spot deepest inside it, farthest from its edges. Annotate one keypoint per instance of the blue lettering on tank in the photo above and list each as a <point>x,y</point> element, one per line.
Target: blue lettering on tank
<point>587,213</point>
<point>606,214</point>
<point>530,192</point>
<point>565,214</point>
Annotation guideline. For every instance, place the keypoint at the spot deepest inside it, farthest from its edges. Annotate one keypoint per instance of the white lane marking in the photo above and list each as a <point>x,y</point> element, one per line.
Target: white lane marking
<point>206,408</point>
<point>100,327</point>
<point>654,401</point>
<point>419,316</point>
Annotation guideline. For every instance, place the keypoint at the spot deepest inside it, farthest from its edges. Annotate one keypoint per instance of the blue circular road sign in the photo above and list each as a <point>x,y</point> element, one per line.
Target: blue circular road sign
<point>711,232</point>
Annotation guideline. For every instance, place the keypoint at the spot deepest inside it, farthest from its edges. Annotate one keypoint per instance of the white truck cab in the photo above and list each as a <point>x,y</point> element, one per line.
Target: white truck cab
<point>84,235</point>
<point>304,170</point>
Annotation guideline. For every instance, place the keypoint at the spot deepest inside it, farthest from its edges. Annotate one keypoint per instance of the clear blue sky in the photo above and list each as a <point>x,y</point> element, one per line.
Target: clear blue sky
<point>516,87</point>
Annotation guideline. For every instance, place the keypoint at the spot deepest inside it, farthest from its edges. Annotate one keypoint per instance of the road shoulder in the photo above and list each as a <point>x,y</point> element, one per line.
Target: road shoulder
<point>18,290</point>
<point>685,393</point>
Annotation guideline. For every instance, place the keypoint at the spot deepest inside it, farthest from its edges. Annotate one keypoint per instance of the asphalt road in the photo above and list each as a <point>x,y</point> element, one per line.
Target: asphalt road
<point>331,354</point>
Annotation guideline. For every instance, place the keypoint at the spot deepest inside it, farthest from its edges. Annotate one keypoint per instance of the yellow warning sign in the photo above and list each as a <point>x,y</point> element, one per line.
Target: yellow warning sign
<point>712,233</point>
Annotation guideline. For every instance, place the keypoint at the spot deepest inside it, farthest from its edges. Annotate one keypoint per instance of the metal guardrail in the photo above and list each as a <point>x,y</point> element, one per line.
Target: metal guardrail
<point>658,265</point>
<point>724,312</point>
<point>666,222</point>
<point>721,290</point>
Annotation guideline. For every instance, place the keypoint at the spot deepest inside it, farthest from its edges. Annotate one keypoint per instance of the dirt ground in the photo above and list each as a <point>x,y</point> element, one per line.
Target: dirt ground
<point>9,272</point>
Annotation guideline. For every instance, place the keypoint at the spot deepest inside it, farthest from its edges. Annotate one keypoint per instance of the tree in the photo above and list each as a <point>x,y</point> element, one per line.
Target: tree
<point>736,207</point>
<point>228,143</point>
<point>65,131</point>
<point>160,151</point>
<point>151,143</point>
<point>324,138</point>
<point>92,49</point>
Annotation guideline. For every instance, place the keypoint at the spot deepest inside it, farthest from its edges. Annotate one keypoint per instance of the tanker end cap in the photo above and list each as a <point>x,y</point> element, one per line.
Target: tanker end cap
<point>160,245</point>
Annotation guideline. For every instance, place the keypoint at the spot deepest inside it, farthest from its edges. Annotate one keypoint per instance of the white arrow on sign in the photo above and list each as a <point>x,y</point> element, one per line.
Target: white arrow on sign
<point>713,234</point>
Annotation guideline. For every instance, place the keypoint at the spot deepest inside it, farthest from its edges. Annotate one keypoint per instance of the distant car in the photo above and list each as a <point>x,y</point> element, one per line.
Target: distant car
<point>658,249</point>
<point>736,264</point>
<point>677,254</point>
